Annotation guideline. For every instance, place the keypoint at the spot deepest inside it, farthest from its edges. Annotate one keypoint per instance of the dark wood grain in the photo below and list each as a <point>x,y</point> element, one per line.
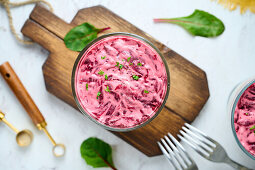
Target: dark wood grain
<point>188,89</point>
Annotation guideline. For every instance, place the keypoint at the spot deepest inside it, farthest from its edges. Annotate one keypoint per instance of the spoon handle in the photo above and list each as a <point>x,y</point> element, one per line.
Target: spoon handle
<point>2,118</point>
<point>21,93</point>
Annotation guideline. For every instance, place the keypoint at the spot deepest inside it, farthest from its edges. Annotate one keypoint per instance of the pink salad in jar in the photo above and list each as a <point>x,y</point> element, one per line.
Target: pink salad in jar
<point>121,81</point>
<point>244,119</point>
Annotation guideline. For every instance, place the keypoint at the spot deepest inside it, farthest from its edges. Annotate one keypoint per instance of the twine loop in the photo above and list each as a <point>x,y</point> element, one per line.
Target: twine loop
<point>7,5</point>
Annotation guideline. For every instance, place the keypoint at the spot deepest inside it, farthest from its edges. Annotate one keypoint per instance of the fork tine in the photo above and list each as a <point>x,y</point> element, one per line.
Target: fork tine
<point>194,140</point>
<point>170,161</point>
<point>191,145</point>
<point>199,138</point>
<point>193,128</point>
<point>218,153</point>
<point>176,151</point>
<point>172,154</point>
<point>171,144</point>
<point>181,148</point>
<point>185,139</point>
<point>200,132</point>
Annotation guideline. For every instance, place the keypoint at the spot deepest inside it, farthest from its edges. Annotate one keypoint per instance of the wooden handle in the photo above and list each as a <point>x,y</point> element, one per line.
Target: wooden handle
<point>21,93</point>
<point>46,29</point>
<point>48,20</point>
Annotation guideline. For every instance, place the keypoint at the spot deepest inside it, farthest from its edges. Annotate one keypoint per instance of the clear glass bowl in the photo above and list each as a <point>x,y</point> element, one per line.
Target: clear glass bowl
<point>232,102</point>
<point>91,118</point>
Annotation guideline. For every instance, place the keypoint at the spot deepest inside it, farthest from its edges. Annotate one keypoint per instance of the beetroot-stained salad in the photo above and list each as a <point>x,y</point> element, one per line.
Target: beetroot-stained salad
<point>244,119</point>
<point>120,81</point>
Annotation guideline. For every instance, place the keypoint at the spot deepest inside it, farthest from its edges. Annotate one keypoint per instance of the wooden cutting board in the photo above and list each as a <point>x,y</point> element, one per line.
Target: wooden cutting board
<point>188,88</point>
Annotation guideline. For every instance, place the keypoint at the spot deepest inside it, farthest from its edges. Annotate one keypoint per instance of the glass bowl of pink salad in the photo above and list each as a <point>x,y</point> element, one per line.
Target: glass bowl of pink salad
<point>120,81</point>
<point>242,108</point>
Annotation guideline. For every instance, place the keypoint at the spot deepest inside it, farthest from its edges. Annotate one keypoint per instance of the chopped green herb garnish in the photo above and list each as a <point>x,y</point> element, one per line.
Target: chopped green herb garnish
<point>119,65</point>
<point>128,59</point>
<point>106,77</point>
<point>123,59</point>
<point>253,127</point>
<point>246,114</point>
<point>135,77</point>
<point>131,64</point>
<point>87,86</point>
<point>98,94</point>
<point>139,64</point>
<point>145,91</point>
<point>103,57</point>
<point>101,72</point>
<point>107,89</point>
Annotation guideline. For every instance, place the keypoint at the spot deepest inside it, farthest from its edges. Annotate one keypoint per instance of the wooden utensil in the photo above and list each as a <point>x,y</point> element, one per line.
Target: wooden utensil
<point>27,102</point>
<point>23,137</point>
<point>188,90</point>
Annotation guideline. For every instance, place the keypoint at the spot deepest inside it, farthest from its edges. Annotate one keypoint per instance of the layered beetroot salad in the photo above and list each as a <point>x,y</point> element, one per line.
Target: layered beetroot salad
<point>121,81</point>
<point>244,119</point>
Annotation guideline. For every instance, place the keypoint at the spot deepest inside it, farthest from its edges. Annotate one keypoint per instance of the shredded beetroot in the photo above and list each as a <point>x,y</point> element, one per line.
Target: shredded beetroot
<point>244,119</point>
<point>127,68</point>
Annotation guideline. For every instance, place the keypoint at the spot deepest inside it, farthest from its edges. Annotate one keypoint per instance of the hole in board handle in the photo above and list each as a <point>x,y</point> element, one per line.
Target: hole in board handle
<point>7,75</point>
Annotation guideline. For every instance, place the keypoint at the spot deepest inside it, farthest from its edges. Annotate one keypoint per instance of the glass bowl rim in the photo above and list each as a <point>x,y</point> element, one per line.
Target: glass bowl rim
<point>90,117</point>
<point>237,97</point>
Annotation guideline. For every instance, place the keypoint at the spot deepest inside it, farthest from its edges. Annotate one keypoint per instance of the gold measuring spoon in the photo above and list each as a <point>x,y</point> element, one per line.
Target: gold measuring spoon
<point>24,137</point>
<point>25,99</point>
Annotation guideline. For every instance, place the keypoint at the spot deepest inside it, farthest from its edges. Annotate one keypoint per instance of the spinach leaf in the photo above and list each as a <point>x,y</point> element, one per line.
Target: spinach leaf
<point>199,23</point>
<point>78,37</point>
<point>97,153</point>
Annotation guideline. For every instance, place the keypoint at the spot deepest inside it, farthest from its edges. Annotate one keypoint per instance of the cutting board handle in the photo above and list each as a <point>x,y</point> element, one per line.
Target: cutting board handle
<point>21,93</point>
<point>46,29</point>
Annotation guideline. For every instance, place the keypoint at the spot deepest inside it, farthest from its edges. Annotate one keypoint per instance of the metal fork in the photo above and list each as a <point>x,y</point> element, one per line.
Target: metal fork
<point>176,154</point>
<point>206,146</point>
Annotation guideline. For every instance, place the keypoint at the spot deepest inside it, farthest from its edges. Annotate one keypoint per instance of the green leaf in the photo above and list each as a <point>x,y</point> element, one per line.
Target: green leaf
<point>103,57</point>
<point>98,94</point>
<point>253,127</point>
<point>128,59</point>
<point>107,89</point>
<point>200,23</point>
<point>135,77</point>
<point>106,77</point>
<point>117,64</point>
<point>78,37</point>
<point>101,72</point>
<point>87,86</point>
<point>139,64</point>
<point>145,91</point>
<point>121,66</point>
<point>97,153</point>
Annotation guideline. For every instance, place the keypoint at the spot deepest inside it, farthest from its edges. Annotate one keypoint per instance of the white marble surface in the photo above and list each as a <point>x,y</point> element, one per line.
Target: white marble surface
<point>227,60</point>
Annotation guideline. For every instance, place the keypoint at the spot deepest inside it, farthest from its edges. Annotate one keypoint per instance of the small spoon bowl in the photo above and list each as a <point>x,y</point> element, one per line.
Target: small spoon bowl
<point>59,150</point>
<point>24,138</point>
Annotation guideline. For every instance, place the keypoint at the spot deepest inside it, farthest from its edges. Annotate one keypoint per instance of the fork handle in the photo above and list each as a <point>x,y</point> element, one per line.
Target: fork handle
<point>235,165</point>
